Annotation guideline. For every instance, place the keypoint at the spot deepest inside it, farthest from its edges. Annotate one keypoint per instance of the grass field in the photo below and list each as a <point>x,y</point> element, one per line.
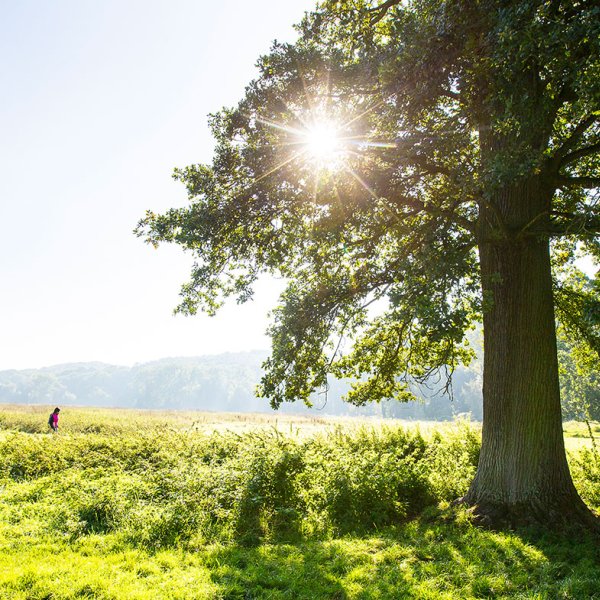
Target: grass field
<point>143,504</point>
<point>33,419</point>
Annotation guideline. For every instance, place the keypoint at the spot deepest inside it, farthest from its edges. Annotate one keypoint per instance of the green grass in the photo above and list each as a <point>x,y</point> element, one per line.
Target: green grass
<point>577,435</point>
<point>128,504</point>
<point>33,419</point>
<point>421,559</point>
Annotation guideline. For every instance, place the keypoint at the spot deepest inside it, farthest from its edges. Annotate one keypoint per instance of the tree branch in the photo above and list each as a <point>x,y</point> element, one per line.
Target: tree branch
<point>379,11</point>
<point>449,214</point>
<point>578,225</point>
<point>432,169</point>
<point>570,224</point>
<point>586,182</point>
<point>450,94</point>
<point>580,153</point>
<point>575,136</point>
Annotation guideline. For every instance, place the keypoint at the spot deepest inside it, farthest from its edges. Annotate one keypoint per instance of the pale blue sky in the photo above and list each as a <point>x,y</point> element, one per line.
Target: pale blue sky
<point>99,100</point>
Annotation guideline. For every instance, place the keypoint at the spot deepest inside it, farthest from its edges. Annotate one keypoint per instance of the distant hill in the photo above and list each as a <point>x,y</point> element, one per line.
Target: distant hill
<point>223,382</point>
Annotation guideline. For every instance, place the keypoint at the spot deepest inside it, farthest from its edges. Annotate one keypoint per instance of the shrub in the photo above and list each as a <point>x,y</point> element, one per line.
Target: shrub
<point>269,504</point>
<point>451,460</point>
<point>354,482</point>
<point>585,468</point>
<point>160,490</point>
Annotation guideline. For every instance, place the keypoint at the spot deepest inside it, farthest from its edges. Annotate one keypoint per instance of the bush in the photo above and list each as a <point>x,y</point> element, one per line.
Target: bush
<point>355,482</point>
<point>451,461</point>
<point>585,468</point>
<point>268,504</point>
<point>163,490</point>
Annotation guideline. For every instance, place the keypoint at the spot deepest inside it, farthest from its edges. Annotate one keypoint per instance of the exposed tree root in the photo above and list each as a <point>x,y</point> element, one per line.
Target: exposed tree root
<point>557,516</point>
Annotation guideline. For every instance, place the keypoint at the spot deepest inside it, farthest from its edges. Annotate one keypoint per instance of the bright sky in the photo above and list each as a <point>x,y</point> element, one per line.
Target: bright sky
<point>99,101</point>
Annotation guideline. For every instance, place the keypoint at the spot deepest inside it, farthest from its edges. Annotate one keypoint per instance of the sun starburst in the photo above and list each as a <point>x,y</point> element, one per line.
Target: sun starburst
<point>324,139</point>
<point>323,143</point>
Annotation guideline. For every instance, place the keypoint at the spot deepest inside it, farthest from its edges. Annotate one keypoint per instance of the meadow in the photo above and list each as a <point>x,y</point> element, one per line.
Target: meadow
<point>145,504</point>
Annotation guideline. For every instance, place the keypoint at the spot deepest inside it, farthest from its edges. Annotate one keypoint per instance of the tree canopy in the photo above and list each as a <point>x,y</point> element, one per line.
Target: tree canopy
<point>399,165</point>
<point>406,88</point>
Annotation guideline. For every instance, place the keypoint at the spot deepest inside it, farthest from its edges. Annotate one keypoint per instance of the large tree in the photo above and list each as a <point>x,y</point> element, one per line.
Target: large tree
<point>406,166</point>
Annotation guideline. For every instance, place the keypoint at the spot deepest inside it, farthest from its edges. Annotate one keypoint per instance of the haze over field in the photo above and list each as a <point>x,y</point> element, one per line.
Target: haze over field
<point>101,101</point>
<point>224,382</point>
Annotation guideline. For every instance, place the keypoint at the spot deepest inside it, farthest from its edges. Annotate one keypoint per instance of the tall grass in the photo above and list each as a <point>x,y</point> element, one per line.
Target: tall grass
<point>128,507</point>
<point>173,487</point>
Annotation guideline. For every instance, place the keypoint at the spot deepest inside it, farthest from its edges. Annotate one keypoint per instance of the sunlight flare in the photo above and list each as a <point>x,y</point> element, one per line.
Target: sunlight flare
<point>318,141</point>
<point>323,142</point>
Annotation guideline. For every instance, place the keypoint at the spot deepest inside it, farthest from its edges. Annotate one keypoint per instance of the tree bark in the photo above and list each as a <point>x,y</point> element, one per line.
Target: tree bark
<point>523,475</point>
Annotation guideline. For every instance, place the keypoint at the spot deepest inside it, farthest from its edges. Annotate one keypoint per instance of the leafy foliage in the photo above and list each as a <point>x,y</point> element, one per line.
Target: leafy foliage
<point>168,489</point>
<point>580,381</point>
<point>440,107</point>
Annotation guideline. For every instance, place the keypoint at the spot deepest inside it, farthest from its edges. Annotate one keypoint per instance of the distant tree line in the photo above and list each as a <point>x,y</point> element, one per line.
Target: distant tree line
<point>227,382</point>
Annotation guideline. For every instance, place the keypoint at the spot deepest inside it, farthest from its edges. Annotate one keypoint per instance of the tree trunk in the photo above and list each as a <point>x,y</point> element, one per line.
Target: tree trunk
<point>522,476</point>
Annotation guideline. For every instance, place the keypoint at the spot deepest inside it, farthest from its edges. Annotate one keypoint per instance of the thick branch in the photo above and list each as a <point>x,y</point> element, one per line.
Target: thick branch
<point>436,211</point>
<point>450,94</point>
<point>575,136</point>
<point>380,11</point>
<point>430,168</point>
<point>454,218</point>
<point>570,224</point>
<point>587,182</point>
<point>575,226</point>
<point>580,153</point>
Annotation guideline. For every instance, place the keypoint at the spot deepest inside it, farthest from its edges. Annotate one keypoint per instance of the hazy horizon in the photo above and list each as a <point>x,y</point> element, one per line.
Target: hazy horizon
<point>257,351</point>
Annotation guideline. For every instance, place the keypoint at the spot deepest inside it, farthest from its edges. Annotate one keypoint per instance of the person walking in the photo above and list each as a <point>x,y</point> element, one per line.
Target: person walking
<point>53,419</point>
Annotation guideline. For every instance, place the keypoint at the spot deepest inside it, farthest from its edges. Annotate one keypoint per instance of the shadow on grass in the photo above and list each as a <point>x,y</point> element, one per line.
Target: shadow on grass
<point>417,560</point>
<point>420,559</point>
